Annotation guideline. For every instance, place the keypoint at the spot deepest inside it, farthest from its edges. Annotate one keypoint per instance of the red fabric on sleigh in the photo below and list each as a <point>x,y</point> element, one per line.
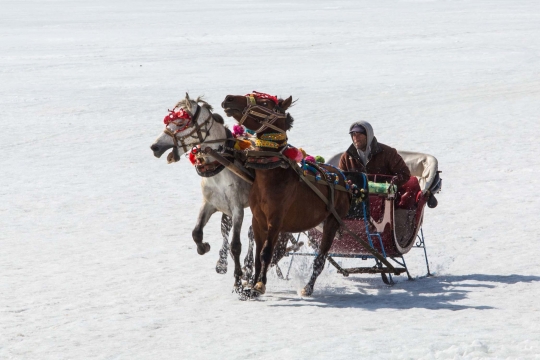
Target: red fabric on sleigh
<point>409,194</point>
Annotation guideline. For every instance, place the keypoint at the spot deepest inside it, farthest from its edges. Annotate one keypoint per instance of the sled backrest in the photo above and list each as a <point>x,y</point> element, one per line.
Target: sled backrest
<point>423,166</point>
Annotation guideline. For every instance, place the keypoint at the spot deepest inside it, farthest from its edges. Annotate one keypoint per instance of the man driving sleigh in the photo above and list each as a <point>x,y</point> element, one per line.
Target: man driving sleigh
<point>369,156</point>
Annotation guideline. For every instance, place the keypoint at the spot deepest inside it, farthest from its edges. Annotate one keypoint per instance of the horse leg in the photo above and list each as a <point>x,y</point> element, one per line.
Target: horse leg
<point>226,224</point>
<point>259,234</point>
<point>204,215</point>
<point>265,258</point>
<point>330,228</point>
<point>248,261</point>
<point>280,249</point>
<point>236,246</point>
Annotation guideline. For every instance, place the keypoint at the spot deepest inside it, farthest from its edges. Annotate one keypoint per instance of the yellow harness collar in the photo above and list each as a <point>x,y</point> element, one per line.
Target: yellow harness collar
<point>269,140</point>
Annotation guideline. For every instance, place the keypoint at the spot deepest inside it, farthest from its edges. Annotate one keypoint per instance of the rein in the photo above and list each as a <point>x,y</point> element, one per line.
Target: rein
<point>265,117</point>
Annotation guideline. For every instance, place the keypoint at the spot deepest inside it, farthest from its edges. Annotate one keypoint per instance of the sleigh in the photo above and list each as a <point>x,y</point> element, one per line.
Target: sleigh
<point>388,219</point>
<point>289,181</point>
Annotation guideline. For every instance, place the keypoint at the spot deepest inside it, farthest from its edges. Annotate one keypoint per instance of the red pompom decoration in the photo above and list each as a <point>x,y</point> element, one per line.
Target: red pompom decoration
<point>293,154</point>
<point>180,114</point>
<point>192,158</point>
<point>167,119</point>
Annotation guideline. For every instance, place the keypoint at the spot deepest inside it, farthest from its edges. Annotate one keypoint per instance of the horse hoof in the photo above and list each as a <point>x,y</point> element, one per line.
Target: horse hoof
<point>203,249</point>
<point>306,292</point>
<point>248,294</point>
<point>221,267</point>
<point>239,287</point>
<point>259,288</point>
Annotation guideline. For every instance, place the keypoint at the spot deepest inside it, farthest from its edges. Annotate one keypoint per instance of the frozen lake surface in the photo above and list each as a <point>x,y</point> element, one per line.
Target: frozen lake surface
<point>97,260</point>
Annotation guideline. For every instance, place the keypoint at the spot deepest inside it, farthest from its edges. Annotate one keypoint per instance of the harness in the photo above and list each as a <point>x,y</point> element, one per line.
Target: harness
<point>213,168</point>
<point>265,117</point>
<point>271,140</point>
<point>257,159</point>
<point>265,160</point>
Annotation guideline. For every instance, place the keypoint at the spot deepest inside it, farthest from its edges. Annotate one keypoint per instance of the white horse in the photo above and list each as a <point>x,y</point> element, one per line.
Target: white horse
<point>222,191</point>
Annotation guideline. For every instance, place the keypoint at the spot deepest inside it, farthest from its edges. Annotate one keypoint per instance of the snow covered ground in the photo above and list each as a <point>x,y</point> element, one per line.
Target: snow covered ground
<point>96,256</point>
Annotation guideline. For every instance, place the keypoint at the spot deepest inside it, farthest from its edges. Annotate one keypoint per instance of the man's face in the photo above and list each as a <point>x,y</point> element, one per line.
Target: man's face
<point>359,140</point>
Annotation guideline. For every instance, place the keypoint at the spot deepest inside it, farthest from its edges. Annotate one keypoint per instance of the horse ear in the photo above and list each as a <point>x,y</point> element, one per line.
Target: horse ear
<point>188,102</point>
<point>286,103</point>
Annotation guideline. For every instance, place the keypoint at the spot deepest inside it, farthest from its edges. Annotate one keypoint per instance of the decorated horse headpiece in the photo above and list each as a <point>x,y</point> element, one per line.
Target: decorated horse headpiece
<point>264,116</point>
<point>180,118</point>
<point>259,95</point>
<point>183,120</point>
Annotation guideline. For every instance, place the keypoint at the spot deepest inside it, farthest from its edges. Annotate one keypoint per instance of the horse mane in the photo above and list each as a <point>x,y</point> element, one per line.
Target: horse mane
<point>186,103</point>
<point>218,118</point>
<point>289,122</point>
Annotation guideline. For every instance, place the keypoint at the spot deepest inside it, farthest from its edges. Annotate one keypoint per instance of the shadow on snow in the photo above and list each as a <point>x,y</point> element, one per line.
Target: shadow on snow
<point>434,293</point>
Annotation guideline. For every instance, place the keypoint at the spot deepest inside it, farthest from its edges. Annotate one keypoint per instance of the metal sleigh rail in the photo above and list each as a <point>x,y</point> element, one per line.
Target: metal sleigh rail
<point>377,269</point>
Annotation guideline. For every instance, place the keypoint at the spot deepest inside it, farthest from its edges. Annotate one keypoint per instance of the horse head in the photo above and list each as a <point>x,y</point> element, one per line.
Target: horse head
<point>259,112</point>
<point>187,125</point>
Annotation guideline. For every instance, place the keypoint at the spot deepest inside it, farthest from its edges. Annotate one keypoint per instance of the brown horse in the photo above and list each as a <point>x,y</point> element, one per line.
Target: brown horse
<point>278,200</point>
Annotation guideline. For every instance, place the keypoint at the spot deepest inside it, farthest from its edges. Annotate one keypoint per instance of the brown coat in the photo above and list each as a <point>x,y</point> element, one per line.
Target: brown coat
<point>382,160</point>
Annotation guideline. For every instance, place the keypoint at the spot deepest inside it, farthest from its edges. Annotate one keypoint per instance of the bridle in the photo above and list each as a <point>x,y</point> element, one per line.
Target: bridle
<point>200,132</point>
<point>265,117</point>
